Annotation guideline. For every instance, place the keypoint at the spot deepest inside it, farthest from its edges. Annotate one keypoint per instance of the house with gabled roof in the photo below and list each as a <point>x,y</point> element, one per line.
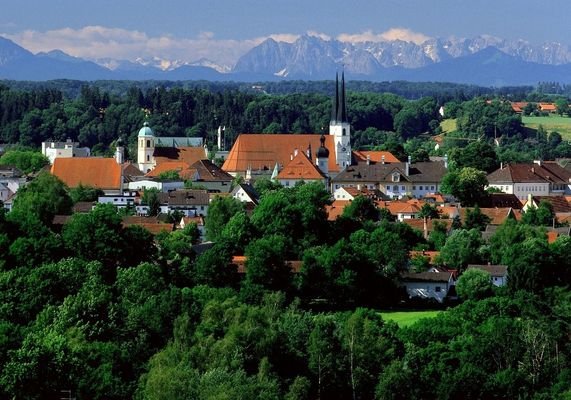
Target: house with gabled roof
<point>374,156</point>
<point>335,209</point>
<point>542,178</point>
<point>393,180</point>
<point>246,193</point>
<point>498,273</point>
<point>190,202</point>
<point>428,285</point>
<point>211,176</point>
<point>300,169</point>
<point>101,173</point>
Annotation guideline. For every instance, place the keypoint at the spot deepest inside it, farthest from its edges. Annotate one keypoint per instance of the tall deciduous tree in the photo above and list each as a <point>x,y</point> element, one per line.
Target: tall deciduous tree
<point>466,184</point>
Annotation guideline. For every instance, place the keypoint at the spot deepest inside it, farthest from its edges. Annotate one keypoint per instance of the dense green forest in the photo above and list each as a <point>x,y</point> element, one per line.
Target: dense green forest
<point>109,312</point>
<point>96,310</point>
<point>98,114</point>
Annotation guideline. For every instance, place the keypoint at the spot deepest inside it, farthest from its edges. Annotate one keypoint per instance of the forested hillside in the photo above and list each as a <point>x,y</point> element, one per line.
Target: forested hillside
<point>101,113</point>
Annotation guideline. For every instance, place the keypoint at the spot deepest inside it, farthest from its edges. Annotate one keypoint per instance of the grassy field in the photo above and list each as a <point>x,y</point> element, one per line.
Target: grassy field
<point>448,125</point>
<point>407,318</point>
<point>550,124</point>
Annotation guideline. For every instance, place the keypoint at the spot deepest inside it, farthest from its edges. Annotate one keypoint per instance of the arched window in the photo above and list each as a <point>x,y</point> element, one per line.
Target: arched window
<point>148,143</point>
<point>148,158</point>
<point>344,131</point>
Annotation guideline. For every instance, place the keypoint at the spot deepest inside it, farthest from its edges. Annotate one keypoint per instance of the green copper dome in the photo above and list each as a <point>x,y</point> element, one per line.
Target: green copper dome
<point>145,130</point>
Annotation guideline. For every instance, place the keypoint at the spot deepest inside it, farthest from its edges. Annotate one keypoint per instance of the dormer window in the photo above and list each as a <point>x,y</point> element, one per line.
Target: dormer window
<point>396,177</point>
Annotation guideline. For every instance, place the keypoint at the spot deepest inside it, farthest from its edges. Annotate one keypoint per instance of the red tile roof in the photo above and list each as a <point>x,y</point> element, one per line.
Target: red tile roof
<point>102,173</point>
<point>336,209</point>
<point>375,156</point>
<point>183,169</point>
<point>262,151</point>
<point>497,215</point>
<point>187,154</point>
<point>301,168</point>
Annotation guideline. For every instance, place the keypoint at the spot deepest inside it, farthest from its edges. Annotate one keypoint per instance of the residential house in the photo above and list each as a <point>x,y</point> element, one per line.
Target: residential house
<point>335,209</point>
<point>349,193</point>
<point>300,169</point>
<point>199,221</point>
<point>498,273</point>
<point>211,177</point>
<point>11,179</point>
<point>190,202</point>
<point>67,149</point>
<point>246,193</point>
<point>497,216</point>
<point>542,178</point>
<point>152,183</point>
<point>428,285</point>
<point>393,180</point>
<point>124,200</point>
<point>152,224</point>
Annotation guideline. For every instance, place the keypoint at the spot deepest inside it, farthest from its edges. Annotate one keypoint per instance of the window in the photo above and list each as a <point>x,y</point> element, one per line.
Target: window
<point>395,188</point>
<point>148,143</point>
<point>413,187</point>
<point>148,158</point>
<point>437,289</point>
<point>402,188</point>
<point>432,188</point>
<point>420,188</point>
<point>344,131</point>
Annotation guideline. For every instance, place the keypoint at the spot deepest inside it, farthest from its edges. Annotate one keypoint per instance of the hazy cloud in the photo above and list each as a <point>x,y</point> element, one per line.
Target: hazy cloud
<point>96,42</point>
<point>392,34</point>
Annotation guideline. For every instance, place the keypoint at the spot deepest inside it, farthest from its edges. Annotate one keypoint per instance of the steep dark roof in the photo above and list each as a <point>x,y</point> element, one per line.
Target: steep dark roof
<point>186,197</point>
<point>559,203</point>
<point>250,191</point>
<point>210,172</point>
<point>547,172</point>
<point>371,173</point>
<point>494,270</point>
<point>418,172</point>
<point>426,277</point>
<point>430,171</point>
<point>501,200</point>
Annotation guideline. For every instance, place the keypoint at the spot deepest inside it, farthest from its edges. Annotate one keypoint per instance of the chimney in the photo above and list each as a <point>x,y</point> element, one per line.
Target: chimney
<point>502,165</point>
<point>220,138</point>
<point>383,159</point>
<point>295,152</point>
<point>407,166</point>
<point>368,159</point>
<point>446,161</point>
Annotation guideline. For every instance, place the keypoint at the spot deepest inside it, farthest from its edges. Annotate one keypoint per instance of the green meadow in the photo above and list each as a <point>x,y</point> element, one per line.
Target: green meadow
<point>550,123</point>
<point>407,318</point>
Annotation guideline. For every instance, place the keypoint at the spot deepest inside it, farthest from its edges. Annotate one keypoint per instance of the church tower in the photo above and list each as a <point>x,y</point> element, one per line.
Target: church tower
<point>146,149</point>
<point>339,127</point>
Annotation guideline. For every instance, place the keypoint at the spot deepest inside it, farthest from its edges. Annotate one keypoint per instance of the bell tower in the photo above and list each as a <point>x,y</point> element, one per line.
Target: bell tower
<point>145,149</point>
<point>339,126</point>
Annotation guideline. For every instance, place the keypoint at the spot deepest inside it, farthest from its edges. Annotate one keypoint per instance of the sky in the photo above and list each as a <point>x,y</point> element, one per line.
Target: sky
<point>223,30</point>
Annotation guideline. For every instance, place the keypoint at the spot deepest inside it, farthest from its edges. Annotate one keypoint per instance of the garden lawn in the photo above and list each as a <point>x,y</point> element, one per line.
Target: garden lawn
<point>407,318</point>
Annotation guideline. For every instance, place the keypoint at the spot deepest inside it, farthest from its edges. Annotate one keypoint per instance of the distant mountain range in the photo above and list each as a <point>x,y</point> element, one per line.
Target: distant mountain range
<point>485,61</point>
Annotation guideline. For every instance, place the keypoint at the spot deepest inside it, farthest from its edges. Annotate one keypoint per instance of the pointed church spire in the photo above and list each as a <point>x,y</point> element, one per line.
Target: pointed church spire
<point>335,108</point>
<point>342,107</point>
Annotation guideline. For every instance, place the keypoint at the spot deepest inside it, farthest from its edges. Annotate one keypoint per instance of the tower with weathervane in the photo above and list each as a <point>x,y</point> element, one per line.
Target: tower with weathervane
<point>339,126</point>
